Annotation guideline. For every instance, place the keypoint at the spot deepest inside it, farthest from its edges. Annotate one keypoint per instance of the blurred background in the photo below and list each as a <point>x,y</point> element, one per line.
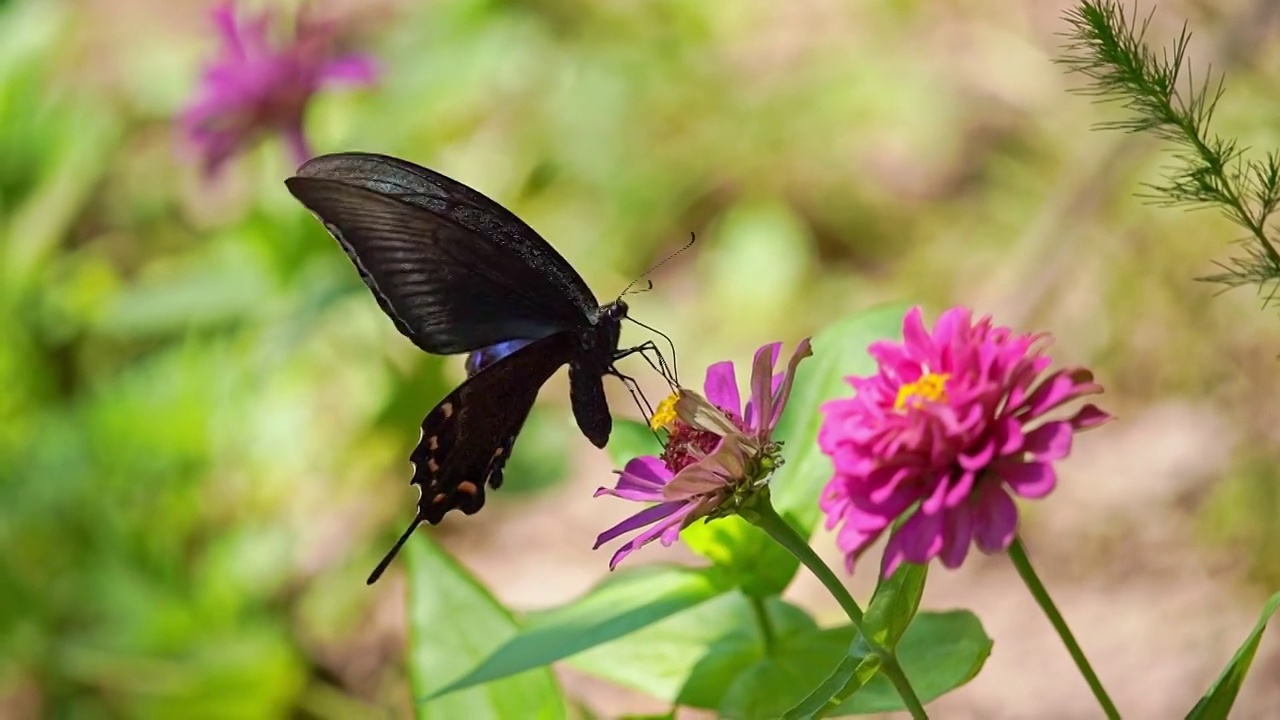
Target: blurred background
<point>205,419</point>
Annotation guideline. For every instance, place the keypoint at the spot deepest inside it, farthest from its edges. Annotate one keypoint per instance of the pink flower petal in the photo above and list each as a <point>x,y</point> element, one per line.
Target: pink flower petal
<point>1051,441</point>
<point>1090,417</point>
<point>761,403</point>
<point>721,387</point>
<point>645,517</point>
<point>1061,387</point>
<point>921,537</point>
<point>1029,480</point>
<point>995,518</point>
<point>646,472</point>
<point>915,338</point>
<point>957,534</point>
<point>782,389</point>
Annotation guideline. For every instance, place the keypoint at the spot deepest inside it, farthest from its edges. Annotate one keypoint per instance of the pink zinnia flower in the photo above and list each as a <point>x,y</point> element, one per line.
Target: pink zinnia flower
<point>718,454</point>
<point>955,420</point>
<point>261,82</point>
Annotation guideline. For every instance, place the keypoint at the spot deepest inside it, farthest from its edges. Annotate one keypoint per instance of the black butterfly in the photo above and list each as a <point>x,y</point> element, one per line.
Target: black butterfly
<point>458,273</point>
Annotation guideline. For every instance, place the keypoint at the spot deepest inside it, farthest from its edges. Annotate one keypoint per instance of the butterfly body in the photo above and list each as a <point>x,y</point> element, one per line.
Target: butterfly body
<point>458,273</point>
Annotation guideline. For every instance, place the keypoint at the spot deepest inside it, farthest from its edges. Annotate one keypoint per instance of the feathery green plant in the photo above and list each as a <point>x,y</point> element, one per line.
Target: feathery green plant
<point>1163,99</point>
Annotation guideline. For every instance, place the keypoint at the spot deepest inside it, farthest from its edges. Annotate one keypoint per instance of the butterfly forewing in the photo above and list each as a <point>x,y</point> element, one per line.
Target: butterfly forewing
<point>448,198</point>
<point>444,287</point>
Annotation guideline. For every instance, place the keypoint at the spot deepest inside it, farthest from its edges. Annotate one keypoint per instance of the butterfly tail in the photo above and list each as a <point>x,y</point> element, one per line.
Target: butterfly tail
<point>395,549</point>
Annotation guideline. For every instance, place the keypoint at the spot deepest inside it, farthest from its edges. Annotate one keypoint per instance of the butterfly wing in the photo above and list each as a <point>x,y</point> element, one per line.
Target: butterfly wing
<point>465,207</point>
<point>447,287</point>
<point>468,437</point>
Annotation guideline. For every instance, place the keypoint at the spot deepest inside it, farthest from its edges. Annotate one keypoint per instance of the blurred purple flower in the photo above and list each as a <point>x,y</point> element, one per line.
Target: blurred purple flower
<point>717,454</point>
<point>954,421</point>
<point>261,81</point>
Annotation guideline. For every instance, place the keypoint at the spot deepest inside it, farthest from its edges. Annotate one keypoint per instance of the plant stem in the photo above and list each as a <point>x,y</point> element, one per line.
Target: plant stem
<point>762,515</point>
<point>1018,554</point>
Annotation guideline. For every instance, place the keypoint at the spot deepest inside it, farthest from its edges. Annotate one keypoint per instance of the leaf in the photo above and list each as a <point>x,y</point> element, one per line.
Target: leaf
<point>454,622</point>
<point>894,604</point>
<point>839,351</point>
<point>756,564</point>
<point>621,605</point>
<point>1217,702</point>
<point>714,657</point>
<point>939,652</point>
<point>892,608</point>
<point>660,659</point>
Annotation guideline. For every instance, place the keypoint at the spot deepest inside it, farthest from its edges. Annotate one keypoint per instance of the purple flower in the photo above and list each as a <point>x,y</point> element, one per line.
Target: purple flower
<point>954,422</point>
<point>718,453</point>
<point>261,81</point>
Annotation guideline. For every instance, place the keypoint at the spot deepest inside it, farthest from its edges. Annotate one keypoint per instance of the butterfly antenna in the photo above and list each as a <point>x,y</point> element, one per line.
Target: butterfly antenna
<point>382,566</point>
<point>692,239</point>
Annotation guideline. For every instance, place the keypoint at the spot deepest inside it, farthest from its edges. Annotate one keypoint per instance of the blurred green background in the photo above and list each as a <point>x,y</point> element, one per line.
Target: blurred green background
<point>205,420</point>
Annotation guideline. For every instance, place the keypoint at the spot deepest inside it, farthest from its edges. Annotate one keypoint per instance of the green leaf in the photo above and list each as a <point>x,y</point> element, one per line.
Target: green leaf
<point>754,562</point>
<point>892,608</point>
<point>939,652</point>
<point>621,605</point>
<point>1217,702</point>
<point>454,622</point>
<point>839,351</point>
<point>894,604</point>
<point>660,659</point>
<point>630,439</point>
<point>714,657</point>
<point>734,661</point>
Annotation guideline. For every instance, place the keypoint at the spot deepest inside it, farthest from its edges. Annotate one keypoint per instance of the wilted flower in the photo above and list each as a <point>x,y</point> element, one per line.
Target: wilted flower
<point>718,454</point>
<point>953,421</point>
<point>261,82</point>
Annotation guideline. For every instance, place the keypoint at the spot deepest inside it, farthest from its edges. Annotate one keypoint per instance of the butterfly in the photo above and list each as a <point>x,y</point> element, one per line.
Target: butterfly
<point>458,273</point>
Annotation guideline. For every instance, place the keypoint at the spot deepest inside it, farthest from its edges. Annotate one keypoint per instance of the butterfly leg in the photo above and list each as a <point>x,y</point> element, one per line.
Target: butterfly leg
<point>659,367</point>
<point>637,394</point>
<point>672,374</point>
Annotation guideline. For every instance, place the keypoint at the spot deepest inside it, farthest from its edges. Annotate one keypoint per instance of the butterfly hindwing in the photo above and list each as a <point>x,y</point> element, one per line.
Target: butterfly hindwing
<point>469,436</point>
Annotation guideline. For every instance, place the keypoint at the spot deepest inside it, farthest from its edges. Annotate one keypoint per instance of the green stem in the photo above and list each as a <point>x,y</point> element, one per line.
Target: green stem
<point>764,622</point>
<point>762,515</point>
<point>1018,554</point>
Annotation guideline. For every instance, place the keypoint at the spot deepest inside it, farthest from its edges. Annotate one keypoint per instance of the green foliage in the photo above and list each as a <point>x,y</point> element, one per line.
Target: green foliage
<point>454,622</point>
<point>1164,100</point>
<point>1216,703</point>
<point>627,602</point>
<point>888,615</point>
<point>747,658</point>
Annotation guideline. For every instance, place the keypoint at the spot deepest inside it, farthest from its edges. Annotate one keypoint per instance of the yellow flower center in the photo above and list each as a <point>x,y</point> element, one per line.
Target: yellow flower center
<point>665,415</point>
<point>930,388</point>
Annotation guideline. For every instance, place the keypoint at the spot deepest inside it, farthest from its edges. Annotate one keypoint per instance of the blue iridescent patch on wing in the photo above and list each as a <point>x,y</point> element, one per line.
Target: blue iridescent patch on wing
<point>484,357</point>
